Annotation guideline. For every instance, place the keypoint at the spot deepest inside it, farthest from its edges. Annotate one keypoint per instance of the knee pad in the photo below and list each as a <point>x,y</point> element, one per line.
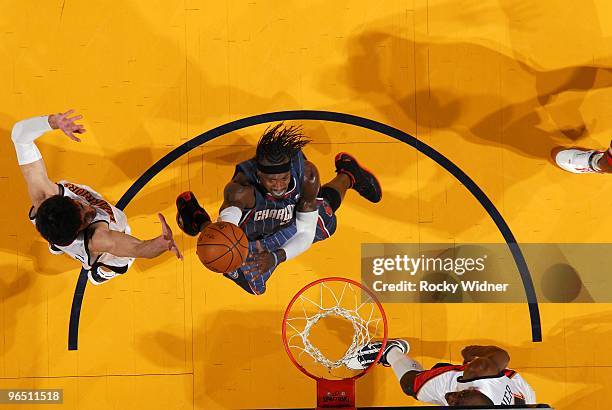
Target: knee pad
<point>332,197</point>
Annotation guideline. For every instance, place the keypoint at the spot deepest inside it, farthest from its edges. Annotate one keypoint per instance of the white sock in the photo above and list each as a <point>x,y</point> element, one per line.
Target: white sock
<point>400,363</point>
<point>594,162</point>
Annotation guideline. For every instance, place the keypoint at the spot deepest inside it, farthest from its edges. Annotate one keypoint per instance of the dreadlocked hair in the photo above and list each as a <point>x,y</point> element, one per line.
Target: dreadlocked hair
<point>279,143</point>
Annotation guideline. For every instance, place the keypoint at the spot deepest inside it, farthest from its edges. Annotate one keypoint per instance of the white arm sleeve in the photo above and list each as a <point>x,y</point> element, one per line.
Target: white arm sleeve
<point>23,135</point>
<point>231,214</point>
<point>306,224</point>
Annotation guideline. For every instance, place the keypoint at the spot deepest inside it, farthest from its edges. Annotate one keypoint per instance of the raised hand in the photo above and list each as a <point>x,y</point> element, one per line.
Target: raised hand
<point>64,122</point>
<point>259,263</point>
<point>168,238</point>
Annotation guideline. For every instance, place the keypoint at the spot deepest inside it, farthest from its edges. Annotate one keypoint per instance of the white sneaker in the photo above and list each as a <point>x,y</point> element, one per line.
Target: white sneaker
<point>368,353</point>
<point>576,161</point>
<point>99,276</point>
<point>54,250</point>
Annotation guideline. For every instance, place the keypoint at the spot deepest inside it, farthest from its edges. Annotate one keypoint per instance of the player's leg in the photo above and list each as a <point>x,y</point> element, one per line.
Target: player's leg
<point>326,224</point>
<point>190,216</point>
<point>350,174</point>
<point>405,368</point>
<point>397,348</point>
<point>605,162</point>
<point>395,356</point>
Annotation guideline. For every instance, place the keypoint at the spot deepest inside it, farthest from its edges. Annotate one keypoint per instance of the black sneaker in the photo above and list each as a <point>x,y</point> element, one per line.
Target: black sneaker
<point>55,250</point>
<point>368,354</point>
<point>362,180</point>
<point>190,216</point>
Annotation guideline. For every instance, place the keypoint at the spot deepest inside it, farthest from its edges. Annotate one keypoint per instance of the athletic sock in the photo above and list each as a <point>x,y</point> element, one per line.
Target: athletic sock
<point>400,363</point>
<point>594,161</point>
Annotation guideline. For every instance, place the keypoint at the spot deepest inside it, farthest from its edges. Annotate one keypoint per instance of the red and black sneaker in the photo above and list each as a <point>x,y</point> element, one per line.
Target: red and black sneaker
<point>190,216</point>
<point>362,180</point>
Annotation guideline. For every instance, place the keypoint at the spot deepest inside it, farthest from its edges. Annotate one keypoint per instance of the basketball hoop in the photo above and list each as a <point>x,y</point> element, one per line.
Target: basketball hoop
<point>342,303</point>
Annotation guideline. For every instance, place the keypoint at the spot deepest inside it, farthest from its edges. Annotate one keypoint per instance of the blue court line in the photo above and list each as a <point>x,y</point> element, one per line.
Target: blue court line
<point>504,229</point>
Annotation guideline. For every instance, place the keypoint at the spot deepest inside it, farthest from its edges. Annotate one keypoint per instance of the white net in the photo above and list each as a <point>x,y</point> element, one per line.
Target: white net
<point>340,300</point>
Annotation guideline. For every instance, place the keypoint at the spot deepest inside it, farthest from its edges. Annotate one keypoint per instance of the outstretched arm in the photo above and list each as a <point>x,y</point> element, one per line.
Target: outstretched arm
<point>121,244</point>
<point>30,160</point>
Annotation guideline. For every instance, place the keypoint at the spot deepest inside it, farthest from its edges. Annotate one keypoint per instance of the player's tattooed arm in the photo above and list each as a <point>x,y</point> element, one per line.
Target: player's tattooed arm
<point>121,244</point>
<point>497,355</point>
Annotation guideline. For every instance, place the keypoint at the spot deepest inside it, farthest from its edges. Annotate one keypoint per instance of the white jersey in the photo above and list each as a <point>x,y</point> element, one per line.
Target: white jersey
<point>105,265</point>
<point>508,388</point>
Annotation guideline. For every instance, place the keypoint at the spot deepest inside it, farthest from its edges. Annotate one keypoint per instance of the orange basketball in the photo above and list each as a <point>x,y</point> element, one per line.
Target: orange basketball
<point>222,247</point>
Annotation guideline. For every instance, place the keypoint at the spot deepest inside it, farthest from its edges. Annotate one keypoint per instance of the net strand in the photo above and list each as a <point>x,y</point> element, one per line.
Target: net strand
<point>362,326</point>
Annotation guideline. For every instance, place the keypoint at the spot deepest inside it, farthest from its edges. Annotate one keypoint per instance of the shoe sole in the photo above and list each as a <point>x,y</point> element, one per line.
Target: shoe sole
<point>185,197</point>
<point>362,167</point>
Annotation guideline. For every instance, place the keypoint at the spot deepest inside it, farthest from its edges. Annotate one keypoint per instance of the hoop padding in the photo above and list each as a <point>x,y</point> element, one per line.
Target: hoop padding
<point>365,314</point>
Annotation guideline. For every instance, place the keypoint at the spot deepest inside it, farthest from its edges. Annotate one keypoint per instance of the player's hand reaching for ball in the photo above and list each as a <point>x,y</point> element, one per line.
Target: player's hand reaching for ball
<point>167,238</point>
<point>259,262</point>
<point>66,123</point>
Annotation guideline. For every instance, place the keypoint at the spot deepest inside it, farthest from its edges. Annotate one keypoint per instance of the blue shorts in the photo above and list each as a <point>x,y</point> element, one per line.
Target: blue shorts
<point>326,226</point>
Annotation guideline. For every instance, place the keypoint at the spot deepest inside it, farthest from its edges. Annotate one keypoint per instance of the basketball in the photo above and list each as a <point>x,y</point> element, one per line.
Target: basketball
<point>222,247</point>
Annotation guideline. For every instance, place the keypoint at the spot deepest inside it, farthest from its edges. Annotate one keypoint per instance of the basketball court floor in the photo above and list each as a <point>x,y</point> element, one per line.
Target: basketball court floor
<point>494,85</point>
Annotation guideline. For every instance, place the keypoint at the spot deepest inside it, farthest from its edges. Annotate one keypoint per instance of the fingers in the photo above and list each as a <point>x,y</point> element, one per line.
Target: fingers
<point>67,124</point>
<point>258,246</point>
<point>250,268</point>
<point>176,251</point>
<point>71,135</point>
<point>166,232</point>
<point>251,272</point>
<point>75,118</point>
<point>247,270</point>
<point>255,260</point>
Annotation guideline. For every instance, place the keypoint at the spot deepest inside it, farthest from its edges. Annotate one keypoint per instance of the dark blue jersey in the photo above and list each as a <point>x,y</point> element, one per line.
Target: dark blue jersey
<point>269,213</point>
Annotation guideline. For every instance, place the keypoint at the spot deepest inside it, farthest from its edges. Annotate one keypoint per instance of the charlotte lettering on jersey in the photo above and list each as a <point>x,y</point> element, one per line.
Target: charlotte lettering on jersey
<point>284,215</point>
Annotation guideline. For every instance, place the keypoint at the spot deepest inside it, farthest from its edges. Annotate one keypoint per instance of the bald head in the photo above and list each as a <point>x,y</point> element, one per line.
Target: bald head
<point>467,398</point>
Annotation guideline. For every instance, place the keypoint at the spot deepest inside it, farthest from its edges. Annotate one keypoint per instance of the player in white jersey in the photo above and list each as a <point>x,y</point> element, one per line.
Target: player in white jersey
<point>75,219</point>
<point>482,379</point>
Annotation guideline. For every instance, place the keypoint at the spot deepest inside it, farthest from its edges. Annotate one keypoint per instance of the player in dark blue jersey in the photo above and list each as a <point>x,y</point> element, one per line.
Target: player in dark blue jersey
<point>277,200</point>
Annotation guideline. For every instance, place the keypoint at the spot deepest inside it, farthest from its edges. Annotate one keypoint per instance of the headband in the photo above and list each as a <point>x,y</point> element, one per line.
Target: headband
<point>274,169</point>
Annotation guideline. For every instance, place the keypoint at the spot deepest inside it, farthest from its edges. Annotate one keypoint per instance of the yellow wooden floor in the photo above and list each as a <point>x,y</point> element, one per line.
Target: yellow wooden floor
<point>492,84</point>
